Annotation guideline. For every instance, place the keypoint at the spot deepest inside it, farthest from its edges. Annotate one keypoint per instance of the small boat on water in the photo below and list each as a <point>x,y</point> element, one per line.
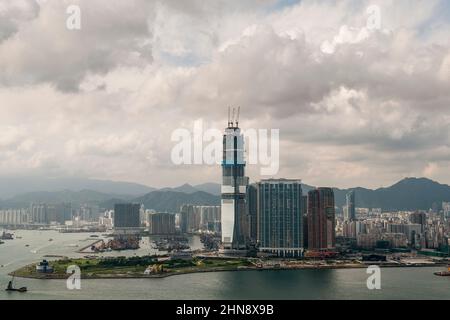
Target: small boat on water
<point>445,273</point>
<point>10,287</point>
<point>50,239</point>
<point>442,273</point>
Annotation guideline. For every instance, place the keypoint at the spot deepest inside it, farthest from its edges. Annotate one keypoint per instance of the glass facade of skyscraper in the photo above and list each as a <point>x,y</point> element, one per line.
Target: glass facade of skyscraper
<point>234,187</point>
<point>280,222</point>
<point>350,213</point>
<point>321,219</point>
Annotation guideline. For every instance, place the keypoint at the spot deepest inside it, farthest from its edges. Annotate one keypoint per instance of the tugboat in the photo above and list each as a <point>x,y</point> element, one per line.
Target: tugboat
<point>11,288</point>
<point>445,273</point>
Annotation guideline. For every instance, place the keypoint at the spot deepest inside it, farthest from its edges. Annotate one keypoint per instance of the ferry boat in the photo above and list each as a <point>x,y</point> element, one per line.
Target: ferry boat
<point>445,273</point>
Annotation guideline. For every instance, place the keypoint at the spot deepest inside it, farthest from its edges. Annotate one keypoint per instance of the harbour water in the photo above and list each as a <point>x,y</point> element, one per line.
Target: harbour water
<point>396,283</point>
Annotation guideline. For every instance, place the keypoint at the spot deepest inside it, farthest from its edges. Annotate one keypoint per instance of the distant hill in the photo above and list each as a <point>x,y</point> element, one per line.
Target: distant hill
<point>185,188</point>
<point>407,194</point>
<point>213,188</point>
<point>109,204</point>
<point>11,186</point>
<point>66,196</point>
<point>171,201</point>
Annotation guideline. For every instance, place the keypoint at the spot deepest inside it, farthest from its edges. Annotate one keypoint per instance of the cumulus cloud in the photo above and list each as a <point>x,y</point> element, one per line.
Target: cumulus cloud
<point>44,50</point>
<point>354,105</point>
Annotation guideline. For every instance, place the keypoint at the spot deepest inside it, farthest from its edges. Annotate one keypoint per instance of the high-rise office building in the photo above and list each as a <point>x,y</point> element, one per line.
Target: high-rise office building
<point>185,212</point>
<point>350,212</point>
<point>446,210</point>
<point>63,212</point>
<point>280,217</point>
<point>321,219</point>
<point>305,220</point>
<point>410,230</point>
<point>88,212</point>
<point>418,218</point>
<point>304,204</point>
<point>252,211</point>
<point>162,223</point>
<point>14,217</point>
<point>209,217</point>
<point>197,218</point>
<point>234,188</point>
<point>39,213</point>
<point>190,217</point>
<point>126,216</point>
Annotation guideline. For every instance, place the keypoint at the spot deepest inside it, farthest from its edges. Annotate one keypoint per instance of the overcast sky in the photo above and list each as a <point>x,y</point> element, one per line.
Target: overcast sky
<point>355,106</point>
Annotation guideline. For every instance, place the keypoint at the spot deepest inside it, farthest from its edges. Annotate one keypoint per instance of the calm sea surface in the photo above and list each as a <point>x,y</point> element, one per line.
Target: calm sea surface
<point>396,283</point>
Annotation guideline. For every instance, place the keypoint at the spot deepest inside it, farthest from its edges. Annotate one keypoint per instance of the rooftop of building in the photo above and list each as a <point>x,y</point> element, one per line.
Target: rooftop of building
<point>280,180</point>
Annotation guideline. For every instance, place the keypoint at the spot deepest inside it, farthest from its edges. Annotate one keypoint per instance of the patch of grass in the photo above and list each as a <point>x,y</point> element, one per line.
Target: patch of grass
<point>131,266</point>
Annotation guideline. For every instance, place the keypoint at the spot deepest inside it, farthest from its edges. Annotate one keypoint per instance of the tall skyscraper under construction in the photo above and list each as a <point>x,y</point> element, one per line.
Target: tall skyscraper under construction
<point>234,187</point>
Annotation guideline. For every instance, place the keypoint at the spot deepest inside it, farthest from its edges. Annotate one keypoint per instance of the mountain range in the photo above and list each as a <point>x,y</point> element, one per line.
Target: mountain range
<point>212,188</point>
<point>171,201</point>
<point>407,194</point>
<point>11,186</point>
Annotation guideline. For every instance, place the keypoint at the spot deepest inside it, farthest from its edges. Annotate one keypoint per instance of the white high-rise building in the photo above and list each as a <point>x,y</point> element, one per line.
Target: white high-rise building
<point>446,209</point>
<point>234,186</point>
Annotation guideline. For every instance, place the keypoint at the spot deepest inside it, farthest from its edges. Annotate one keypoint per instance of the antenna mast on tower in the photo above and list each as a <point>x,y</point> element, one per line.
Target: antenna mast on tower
<point>232,118</point>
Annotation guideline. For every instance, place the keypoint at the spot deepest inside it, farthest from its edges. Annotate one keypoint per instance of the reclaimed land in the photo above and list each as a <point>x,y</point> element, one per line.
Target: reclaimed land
<point>134,267</point>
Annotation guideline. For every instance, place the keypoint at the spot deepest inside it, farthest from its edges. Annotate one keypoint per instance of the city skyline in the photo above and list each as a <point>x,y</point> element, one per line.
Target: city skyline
<point>348,99</point>
<point>239,151</point>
